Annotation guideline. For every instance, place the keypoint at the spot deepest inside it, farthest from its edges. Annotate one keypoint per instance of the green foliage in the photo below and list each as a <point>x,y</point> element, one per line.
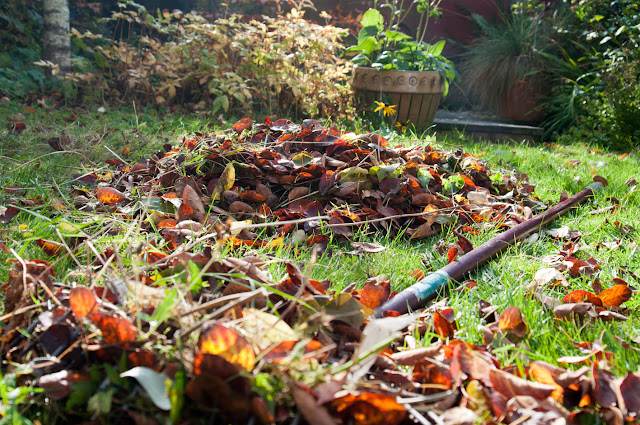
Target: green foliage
<point>21,23</point>
<point>285,65</point>
<point>381,44</point>
<point>597,72</point>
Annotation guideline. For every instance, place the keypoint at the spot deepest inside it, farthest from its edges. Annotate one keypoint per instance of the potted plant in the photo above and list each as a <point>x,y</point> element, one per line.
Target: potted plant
<point>503,69</point>
<point>410,73</point>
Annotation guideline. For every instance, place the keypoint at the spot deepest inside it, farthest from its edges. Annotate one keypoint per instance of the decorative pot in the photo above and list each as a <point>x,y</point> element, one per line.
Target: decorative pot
<point>417,94</point>
<point>523,101</point>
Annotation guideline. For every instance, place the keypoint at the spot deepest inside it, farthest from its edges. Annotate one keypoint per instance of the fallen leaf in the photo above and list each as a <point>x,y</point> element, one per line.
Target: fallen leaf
<point>442,326</point>
<point>369,409</point>
<point>227,343</point>
<point>512,322</point>
<point>82,301</point>
<point>115,329</point>
<point>309,407</point>
<point>374,294</point>
<point>51,248</point>
<point>579,296</point>
<point>615,296</point>
<point>510,385</point>
<point>109,195</point>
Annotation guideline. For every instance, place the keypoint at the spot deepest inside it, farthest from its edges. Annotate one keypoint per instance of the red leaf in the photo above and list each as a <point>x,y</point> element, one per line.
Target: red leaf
<point>510,386</point>
<point>115,329</point>
<point>109,195</point>
<point>452,254</point>
<point>579,296</point>
<point>242,125</point>
<point>82,301</point>
<point>418,274</point>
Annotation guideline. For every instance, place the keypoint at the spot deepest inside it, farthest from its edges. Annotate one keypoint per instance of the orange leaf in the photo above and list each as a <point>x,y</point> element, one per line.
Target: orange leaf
<point>115,329</point>
<point>615,296</point>
<point>82,301</point>
<point>109,195</point>
<point>50,247</point>
<point>418,274</point>
<point>511,321</point>
<point>285,348</point>
<point>579,296</point>
<point>169,222</point>
<point>228,344</point>
<point>155,256</point>
<point>369,409</point>
<point>373,295</point>
<point>242,125</point>
<point>443,327</point>
<point>252,196</point>
<point>144,358</point>
<point>452,254</point>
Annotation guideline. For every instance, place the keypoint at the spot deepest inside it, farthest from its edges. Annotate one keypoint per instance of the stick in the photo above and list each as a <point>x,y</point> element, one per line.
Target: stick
<point>418,294</point>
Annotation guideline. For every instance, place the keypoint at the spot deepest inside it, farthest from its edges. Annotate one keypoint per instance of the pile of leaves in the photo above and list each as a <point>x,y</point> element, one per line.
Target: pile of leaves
<point>174,330</point>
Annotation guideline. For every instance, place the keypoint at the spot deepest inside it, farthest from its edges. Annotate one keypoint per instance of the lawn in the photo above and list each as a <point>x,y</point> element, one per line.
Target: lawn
<point>43,177</point>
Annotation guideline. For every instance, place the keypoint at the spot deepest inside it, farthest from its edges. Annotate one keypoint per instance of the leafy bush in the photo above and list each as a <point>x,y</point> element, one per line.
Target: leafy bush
<point>284,65</point>
<point>21,24</point>
<point>597,72</point>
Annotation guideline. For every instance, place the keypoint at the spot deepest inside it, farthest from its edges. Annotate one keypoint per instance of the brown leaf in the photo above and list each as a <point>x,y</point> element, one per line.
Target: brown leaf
<point>630,390</point>
<point>512,322</point>
<point>109,195</point>
<point>309,407</point>
<point>423,231</point>
<point>510,385</point>
<point>615,296</point>
<point>8,213</point>
<point>82,301</point>
<point>442,326</point>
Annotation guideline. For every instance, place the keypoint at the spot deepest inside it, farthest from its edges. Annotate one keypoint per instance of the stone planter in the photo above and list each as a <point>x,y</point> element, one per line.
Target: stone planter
<point>417,94</point>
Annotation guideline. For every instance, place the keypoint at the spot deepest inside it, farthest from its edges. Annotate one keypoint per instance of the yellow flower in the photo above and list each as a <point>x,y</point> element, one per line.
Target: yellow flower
<point>386,109</point>
<point>401,128</point>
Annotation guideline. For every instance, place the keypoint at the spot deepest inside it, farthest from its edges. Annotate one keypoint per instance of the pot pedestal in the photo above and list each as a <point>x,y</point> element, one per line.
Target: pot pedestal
<point>417,94</point>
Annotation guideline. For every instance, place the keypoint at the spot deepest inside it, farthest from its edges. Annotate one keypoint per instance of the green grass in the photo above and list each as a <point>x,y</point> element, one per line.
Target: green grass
<point>26,160</point>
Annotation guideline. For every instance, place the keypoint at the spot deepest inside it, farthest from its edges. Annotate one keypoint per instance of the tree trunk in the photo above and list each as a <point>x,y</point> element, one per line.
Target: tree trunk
<point>56,43</point>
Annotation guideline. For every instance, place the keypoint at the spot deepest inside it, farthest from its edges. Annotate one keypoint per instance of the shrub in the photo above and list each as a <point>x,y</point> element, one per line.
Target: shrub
<point>284,65</point>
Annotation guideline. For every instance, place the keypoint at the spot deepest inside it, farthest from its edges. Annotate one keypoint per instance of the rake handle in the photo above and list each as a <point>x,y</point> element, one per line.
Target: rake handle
<point>420,293</point>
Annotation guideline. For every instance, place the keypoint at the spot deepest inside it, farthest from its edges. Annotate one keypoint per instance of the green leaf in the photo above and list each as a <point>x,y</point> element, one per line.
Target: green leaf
<point>100,402</point>
<point>302,159</point>
<point>436,49</point>
<point>396,36</point>
<point>424,176</point>
<point>366,33</point>
<point>154,383</point>
<point>373,18</point>
<point>220,102</point>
